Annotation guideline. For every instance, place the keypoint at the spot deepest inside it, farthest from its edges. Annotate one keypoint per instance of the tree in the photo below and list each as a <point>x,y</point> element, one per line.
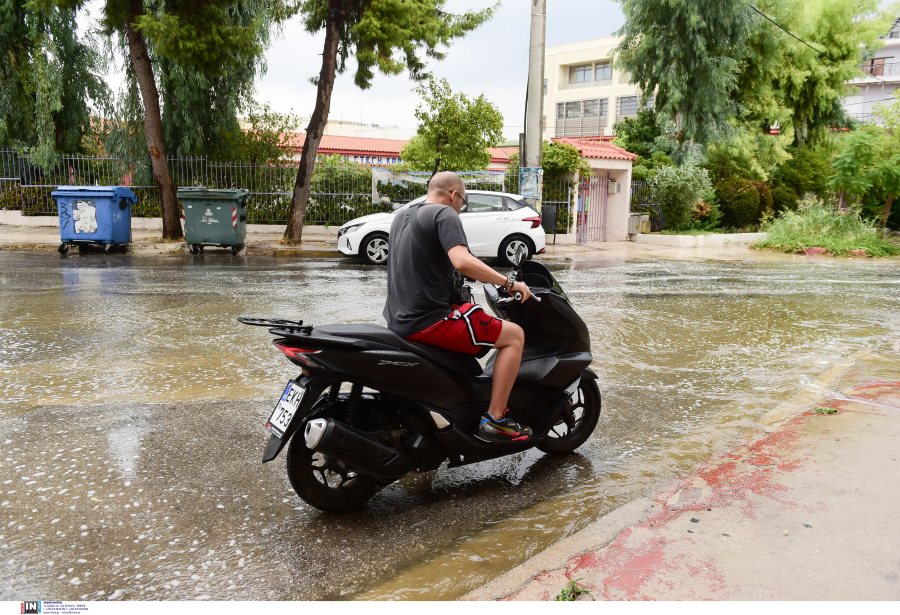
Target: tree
<point>687,53</point>
<point>208,37</point>
<point>801,83</point>
<point>869,161</point>
<point>374,31</point>
<point>645,134</point>
<point>453,130</point>
<point>48,80</point>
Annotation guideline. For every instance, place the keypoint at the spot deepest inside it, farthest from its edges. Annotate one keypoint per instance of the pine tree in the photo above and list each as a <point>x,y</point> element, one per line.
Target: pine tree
<point>48,80</point>
<point>687,53</point>
<point>376,32</point>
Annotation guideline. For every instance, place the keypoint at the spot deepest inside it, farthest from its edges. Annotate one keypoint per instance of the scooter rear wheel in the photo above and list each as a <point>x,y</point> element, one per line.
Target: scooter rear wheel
<point>323,482</point>
<point>577,422</point>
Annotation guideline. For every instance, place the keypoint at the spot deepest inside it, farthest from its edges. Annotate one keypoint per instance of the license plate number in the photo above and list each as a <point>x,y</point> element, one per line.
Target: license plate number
<point>285,409</point>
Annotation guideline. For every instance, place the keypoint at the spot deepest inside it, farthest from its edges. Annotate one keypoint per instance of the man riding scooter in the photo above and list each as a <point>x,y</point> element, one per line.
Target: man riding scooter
<point>425,304</point>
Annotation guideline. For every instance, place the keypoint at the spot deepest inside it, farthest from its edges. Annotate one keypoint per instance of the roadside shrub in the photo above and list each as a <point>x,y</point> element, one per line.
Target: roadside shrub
<point>765,200</point>
<point>818,225</point>
<point>677,190</point>
<point>739,201</point>
<point>808,170</point>
<point>783,198</point>
<point>645,167</point>
<point>706,213</point>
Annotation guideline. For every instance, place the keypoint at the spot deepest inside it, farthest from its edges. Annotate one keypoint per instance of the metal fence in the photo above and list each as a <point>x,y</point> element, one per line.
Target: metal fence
<point>338,192</point>
<point>642,201</point>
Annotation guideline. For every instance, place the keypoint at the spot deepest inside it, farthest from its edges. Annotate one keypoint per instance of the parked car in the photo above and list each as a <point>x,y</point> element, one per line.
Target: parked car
<point>497,224</point>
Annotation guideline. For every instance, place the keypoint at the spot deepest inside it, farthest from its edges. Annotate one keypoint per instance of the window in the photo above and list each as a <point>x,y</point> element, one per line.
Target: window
<point>603,72</point>
<point>484,203</point>
<point>874,67</point>
<point>581,118</point>
<point>580,74</point>
<point>628,105</point>
<point>545,87</point>
<point>513,205</point>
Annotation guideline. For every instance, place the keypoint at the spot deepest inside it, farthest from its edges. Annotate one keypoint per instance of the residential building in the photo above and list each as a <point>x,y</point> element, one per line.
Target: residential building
<point>880,80</point>
<point>583,94</point>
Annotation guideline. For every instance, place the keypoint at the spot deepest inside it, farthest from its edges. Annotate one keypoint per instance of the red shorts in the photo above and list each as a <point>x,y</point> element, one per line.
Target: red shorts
<point>468,329</point>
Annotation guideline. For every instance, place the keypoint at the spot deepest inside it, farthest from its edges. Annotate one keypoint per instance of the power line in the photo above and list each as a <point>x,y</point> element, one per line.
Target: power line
<point>778,25</point>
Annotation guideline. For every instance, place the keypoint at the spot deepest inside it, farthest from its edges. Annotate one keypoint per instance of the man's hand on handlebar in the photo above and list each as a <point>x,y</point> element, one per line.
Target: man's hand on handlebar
<point>519,287</point>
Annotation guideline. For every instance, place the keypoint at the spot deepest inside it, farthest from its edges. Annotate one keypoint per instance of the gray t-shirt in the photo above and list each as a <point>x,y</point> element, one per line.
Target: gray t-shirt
<point>418,291</point>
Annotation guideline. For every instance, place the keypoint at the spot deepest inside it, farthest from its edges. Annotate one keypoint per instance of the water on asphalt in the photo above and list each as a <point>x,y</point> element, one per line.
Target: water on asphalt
<point>132,408</point>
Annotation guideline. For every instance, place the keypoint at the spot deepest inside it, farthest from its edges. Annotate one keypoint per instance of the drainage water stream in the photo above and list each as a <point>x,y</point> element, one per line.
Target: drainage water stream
<point>123,356</point>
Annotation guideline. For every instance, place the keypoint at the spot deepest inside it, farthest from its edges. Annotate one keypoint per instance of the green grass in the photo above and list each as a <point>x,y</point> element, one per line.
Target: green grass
<point>571,591</point>
<point>820,226</point>
<point>825,410</point>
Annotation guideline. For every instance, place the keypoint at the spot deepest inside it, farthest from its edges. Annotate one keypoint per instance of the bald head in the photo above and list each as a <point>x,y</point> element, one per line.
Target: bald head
<point>442,184</point>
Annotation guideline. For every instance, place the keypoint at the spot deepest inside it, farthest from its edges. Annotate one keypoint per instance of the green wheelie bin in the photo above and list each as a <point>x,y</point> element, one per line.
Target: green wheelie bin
<point>214,218</point>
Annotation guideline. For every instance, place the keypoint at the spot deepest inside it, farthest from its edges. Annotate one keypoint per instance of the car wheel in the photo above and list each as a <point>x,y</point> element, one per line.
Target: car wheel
<point>375,249</point>
<point>510,246</point>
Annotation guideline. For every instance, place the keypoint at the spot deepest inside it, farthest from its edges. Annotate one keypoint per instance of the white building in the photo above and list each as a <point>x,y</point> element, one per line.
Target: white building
<point>881,79</point>
<point>583,94</point>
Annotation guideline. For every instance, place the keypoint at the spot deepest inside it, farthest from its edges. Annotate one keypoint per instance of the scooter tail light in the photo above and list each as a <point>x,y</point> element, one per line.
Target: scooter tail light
<point>298,354</point>
<point>535,221</point>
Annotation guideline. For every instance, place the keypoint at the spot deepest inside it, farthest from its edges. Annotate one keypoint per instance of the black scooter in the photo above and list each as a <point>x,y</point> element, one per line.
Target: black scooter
<point>411,406</point>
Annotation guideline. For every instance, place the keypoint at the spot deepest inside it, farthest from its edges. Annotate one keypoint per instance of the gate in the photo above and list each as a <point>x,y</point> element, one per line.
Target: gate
<point>591,223</point>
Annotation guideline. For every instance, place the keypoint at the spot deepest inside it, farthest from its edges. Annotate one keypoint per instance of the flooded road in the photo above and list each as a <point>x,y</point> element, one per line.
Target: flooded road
<point>132,408</point>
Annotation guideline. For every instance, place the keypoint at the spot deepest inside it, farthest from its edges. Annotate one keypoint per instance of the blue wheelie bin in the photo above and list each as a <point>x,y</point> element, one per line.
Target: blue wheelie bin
<point>94,215</point>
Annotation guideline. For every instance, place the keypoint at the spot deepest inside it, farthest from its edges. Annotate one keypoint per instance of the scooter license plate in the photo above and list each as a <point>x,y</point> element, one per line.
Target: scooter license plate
<point>285,409</point>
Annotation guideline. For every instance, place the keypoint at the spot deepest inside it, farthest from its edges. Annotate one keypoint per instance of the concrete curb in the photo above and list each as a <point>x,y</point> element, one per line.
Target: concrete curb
<point>700,241</point>
<point>180,249</point>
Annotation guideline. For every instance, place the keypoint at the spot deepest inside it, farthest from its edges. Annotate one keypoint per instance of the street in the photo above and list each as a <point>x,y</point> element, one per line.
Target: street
<point>132,411</point>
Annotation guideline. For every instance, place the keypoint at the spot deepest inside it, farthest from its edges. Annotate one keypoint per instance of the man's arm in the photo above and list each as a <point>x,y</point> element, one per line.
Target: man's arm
<point>471,267</point>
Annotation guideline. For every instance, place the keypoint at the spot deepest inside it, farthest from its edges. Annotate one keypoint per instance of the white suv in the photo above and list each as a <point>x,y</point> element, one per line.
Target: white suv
<point>497,224</point>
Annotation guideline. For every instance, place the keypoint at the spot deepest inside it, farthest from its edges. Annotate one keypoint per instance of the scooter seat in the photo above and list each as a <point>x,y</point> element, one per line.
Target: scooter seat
<point>458,362</point>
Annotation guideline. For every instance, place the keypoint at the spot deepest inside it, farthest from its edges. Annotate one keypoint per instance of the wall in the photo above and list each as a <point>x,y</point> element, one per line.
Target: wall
<point>557,61</point>
<point>618,205</point>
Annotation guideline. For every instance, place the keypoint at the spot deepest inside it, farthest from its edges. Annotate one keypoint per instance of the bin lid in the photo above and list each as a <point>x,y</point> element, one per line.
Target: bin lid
<point>209,193</point>
<point>117,192</point>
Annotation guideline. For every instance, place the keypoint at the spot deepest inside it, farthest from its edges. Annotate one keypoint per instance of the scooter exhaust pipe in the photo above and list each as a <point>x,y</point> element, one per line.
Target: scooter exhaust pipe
<point>355,448</point>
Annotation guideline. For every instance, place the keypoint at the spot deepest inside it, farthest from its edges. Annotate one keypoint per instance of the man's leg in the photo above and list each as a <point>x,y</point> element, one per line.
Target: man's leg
<point>506,366</point>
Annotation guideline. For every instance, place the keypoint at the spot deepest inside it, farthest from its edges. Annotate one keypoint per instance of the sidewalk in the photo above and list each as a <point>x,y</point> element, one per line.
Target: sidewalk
<point>148,242</point>
<point>807,511</point>
<point>319,242</point>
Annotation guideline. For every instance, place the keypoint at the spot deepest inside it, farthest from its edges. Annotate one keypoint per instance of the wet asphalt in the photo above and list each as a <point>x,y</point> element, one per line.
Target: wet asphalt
<point>132,410</point>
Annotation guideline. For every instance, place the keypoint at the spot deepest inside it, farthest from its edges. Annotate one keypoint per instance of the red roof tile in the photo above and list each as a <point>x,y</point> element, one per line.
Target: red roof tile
<point>351,144</point>
<point>591,148</point>
<point>501,154</point>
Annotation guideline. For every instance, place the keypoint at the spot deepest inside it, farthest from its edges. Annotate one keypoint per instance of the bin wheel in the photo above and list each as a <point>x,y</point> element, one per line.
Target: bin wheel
<point>201,249</point>
<point>63,248</point>
<point>123,248</point>
<point>106,248</point>
<point>193,249</point>
<point>236,249</point>
<point>82,247</point>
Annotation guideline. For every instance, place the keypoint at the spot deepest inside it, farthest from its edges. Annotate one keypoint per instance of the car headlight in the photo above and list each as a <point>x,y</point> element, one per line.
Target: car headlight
<point>348,229</point>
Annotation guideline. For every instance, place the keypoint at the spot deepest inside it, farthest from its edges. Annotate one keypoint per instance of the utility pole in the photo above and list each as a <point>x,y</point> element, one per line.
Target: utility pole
<point>534,104</point>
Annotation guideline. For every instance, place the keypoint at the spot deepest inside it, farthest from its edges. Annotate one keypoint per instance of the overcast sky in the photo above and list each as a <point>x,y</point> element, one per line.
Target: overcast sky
<point>492,60</point>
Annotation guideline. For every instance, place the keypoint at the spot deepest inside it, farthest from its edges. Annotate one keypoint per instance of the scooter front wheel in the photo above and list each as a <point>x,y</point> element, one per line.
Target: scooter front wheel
<point>323,481</point>
<point>577,421</point>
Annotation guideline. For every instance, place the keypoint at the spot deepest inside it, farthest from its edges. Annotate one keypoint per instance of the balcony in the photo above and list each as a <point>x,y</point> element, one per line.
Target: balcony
<point>891,70</point>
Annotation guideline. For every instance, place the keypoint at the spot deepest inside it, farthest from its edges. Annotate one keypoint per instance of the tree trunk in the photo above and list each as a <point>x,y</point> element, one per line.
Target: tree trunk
<point>294,231</point>
<point>143,71</point>
<point>887,210</point>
